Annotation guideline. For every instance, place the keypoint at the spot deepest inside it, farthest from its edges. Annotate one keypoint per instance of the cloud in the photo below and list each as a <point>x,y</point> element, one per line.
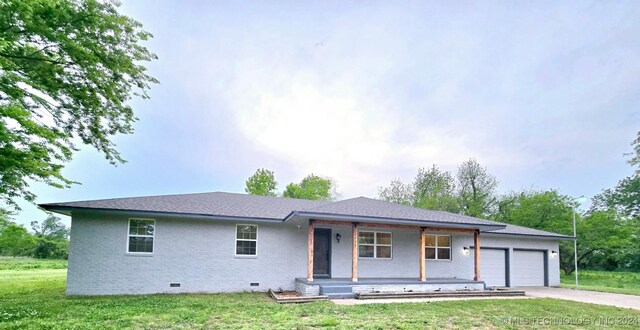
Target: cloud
<point>368,95</point>
<point>335,126</point>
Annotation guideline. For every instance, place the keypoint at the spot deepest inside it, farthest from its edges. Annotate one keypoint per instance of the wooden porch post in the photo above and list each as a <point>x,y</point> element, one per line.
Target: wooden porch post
<point>423,272</point>
<point>310,251</point>
<point>476,255</point>
<point>354,252</point>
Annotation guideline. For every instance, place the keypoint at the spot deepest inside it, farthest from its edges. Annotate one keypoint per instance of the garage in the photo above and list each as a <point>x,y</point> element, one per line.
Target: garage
<point>529,268</point>
<point>493,268</point>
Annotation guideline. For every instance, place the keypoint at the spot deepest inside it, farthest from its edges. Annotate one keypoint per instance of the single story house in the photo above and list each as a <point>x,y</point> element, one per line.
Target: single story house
<point>227,242</point>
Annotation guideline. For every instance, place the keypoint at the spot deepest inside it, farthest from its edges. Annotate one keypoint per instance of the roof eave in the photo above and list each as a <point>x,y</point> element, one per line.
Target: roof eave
<point>67,210</point>
<point>551,236</point>
<point>368,219</point>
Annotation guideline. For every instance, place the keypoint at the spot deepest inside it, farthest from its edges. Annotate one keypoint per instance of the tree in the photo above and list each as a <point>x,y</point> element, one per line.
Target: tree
<point>544,210</point>
<point>261,183</point>
<point>67,72</point>
<point>397,192</point>
<point>50,249</point>
<point>435,190</point>
<point>15,240</point>
<point>51,228</point>
<point>431,189</point>
<point>635,154</point>
<point>312,187</point>
<point>624,197</point>
<point>630,257</point>
<point>5,219</point>
<point>476,189</point>
<point>601,236</point>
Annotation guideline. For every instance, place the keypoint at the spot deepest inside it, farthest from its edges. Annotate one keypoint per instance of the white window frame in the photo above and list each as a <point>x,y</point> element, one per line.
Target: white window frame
<point>375,244</point>
<point>436,257</point>
<point>153,248</point>
<point>235,241</point>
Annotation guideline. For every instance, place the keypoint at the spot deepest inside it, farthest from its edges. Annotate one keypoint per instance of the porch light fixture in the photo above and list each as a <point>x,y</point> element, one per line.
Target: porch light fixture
<point>554,254</point>
<point>338,237</point>
<point>465,250</point>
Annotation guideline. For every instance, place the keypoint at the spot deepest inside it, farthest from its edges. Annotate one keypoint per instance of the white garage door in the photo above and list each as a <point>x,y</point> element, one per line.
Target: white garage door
<point>492,267</point>
<point>527,268</point>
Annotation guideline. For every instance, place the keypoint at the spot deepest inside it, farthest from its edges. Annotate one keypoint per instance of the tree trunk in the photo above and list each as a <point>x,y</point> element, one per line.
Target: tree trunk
<point>568,270</point>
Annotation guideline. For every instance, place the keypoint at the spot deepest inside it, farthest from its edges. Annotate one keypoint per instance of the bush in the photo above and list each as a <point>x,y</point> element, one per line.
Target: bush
<point>16,241</point>
<point>50,249</point>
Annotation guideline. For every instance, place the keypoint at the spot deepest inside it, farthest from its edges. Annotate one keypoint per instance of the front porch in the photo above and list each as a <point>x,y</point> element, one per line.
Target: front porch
<point>405,261</point>
<point>336,288</point>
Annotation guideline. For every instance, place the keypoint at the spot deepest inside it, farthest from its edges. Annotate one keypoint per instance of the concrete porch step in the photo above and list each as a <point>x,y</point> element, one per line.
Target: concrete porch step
<point>444,294</point>
<point>341,295</point>
<point>327,289</point>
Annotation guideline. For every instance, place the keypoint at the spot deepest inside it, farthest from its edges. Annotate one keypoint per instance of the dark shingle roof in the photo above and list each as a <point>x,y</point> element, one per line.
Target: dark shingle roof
<point>213,204</point>
<point>519,230</point>
<point>363,206</point>
<point>221,204</point>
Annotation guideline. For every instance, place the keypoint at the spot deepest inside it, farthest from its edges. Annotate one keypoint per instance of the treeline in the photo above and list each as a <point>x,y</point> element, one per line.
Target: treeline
<point>49,239</point>
<point>608,232</point>
<point>313,187</point>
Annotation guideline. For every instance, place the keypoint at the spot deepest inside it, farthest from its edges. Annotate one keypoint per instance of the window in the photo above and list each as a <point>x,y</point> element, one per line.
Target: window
<point>140,238</point>
<point>373,244</point>
<point>438,247</point>
<point>246,240</point>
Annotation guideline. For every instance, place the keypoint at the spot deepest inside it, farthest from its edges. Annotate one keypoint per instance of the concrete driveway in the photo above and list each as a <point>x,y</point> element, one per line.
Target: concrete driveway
<point>593,297</point>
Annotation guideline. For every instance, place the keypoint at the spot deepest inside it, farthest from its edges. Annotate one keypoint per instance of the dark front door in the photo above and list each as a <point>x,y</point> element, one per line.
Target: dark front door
<point>322,252</point>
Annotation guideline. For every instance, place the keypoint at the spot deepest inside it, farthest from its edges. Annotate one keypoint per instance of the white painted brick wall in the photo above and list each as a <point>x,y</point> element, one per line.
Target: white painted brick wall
<point>199,254</point>
<point>307,290</point>
<point>406,249</point>
<point>395,288</point>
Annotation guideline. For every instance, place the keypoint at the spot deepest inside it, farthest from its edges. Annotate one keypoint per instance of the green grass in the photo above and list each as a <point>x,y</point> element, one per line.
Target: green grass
<point>22,263</point>
<point>34,298</point>
<point>618,282</point>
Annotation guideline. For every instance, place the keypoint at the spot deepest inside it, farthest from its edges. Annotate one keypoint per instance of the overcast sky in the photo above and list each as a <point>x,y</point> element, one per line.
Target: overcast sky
<point>545,94</point>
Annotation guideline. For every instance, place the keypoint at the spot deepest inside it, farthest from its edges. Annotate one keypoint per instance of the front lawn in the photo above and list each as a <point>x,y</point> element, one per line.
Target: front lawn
<point>618,282</point>
<point>35,299</point>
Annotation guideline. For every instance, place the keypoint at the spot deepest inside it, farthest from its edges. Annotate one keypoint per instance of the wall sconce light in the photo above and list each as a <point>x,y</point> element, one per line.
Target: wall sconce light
<point>338,237</point>
<point>554,254</point>
<point>465,250</point>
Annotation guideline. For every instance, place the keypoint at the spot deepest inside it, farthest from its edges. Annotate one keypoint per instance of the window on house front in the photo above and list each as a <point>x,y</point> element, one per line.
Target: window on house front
<point>141,233</point>
<point>246,240</point>
<point>438,247</point>
<point>372,244</point>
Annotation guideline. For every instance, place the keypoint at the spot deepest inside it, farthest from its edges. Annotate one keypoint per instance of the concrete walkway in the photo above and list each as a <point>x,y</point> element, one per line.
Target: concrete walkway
<point>593,297</point>
<point>413,300</point>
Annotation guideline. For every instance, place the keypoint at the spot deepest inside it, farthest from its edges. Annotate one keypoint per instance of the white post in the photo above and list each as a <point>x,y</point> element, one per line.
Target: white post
<point>575,245</point>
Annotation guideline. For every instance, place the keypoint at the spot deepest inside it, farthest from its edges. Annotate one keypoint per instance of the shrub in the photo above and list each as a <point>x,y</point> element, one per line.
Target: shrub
<point>50,249</point>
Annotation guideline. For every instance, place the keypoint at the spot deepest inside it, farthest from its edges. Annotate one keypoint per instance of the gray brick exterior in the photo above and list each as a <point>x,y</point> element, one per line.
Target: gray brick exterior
<point>406,249</point>
<point>395,288</point>
<point>200,255</point>
<point>307,289</point>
